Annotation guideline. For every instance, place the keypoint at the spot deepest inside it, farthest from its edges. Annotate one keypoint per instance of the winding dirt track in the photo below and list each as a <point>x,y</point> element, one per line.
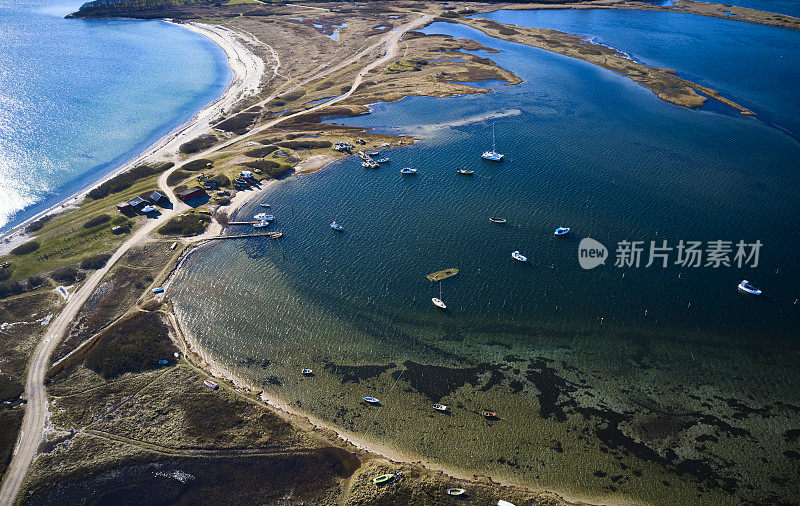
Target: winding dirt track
<point>37,410</point>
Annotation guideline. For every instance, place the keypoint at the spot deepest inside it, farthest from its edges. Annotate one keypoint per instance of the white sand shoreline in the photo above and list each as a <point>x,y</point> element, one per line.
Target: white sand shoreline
<point>246,72</point>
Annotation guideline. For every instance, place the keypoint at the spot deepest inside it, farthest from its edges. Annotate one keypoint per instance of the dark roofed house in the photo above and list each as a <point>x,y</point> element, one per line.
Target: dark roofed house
<point>157,196</point>
<point>191,193</point>
<point>138,202</point>
<point>124,208</point>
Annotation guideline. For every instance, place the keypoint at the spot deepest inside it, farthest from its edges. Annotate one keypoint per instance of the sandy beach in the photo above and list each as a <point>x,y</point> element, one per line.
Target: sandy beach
<point>247,71</point>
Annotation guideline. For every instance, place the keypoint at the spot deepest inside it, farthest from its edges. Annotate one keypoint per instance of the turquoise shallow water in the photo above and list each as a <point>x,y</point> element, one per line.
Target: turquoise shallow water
<point>78,97</point>
<point>597,374</point>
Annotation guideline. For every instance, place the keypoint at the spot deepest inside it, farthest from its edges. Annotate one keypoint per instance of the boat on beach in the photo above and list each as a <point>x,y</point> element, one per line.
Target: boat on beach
<point>383,479</point>
<point>307,372</point>
<point>561,231</point>
<point>746,287</point>
<point>440,407</point>
<point>456,491</point>
<point>408,171</point>
<point>465,172</point>
<point>495,219</point>
<point>492,155</point>
<point>336,226</point>
<point>488,414</point>
<point>371,400</point>
<point>210,384</point>
<point>438,303</point>
<point>519,257</point>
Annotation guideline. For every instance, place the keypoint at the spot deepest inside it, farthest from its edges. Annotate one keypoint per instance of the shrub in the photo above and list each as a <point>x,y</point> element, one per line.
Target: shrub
<point>449,14</point>
<point>38,224</point>
<point>95,262</point>
<point>24,249</point>
<point>223,201</point>
<point>177,176</point>
<point>66,274</point>
<point>292,95</point>
<point>262,164</point>
<point>126,179</point>
<point>186,225</point>
<point>200,143</point>
<point>9,288</point>
<point>279,171</point>
<point>97,220</point>
<point>305,144</point>
<point>239,123</point>
<point>6,273</point>
<point>131,345</point>
<point>10,388</point>
<point>197,165</point>
<point>260,152</point>
<point>221,179</point>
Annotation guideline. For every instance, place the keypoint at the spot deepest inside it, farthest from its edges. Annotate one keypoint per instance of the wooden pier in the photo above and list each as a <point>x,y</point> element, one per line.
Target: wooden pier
<point>268,235</point>
<point>368,159</point>
<point>242,222</point>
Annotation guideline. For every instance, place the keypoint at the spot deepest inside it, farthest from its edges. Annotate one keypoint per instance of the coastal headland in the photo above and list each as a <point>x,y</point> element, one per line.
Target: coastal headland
<point>80,278</point>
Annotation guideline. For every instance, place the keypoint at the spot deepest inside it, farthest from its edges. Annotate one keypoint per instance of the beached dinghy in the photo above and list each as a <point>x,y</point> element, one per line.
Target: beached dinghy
<point>210,384</point>
<point>371,400</point>
<point>488,414</point>
<point>456,491</point>
<point>440,407</point>
<point>383,479</point>
<point>505,503</point>
<point>438,303</point>
<point>336,226</point>
<point>494,219</point>
<point>307,372</point>
<point>561,231</point>
<point>408,171</point>
<point>519,257</point>
<point>746,287</point>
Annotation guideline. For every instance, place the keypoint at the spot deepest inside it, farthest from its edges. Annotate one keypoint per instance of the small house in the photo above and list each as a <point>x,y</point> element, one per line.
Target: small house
<point>191,193</point>
<point>156,197</point>
<point>246,174</point>
<point>124,208</point>
<point>138,202</point>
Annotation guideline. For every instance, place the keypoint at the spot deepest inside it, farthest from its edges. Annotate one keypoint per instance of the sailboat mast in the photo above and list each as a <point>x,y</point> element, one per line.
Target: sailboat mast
<point>494,146</point>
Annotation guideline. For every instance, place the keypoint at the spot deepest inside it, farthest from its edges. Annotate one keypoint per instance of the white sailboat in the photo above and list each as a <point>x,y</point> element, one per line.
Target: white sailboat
<point>492,155</point>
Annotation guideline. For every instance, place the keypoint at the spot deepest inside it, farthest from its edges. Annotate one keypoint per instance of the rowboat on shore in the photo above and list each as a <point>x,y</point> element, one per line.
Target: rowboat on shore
<point>455,491</point>
<point>488,414</point>
<point>440,407</point>
<point>210,384</point>
<point>371,400</point>
<point>307,372</point>
<point>383,479</point>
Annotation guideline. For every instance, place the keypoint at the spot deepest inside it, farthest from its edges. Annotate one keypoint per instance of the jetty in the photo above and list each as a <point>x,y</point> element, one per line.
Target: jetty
<point>268,235</point>
<point>249,222</point>
<point>372,164</point>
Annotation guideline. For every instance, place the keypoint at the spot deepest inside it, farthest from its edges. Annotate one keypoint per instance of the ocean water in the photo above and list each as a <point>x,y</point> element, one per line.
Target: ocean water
<point>632,384</point>
<point>80,97</point>
<point>790,7</point>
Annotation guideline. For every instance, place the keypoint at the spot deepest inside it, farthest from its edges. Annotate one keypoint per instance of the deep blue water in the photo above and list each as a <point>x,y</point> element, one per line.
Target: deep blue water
<point>790,7</point>
<point>748,63</point>
<point>78,98</point>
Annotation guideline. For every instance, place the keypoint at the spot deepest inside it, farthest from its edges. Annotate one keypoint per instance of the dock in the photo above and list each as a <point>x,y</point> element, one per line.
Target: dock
<point>368,159</point>
<point>242,222</point>
<point>268,235</point>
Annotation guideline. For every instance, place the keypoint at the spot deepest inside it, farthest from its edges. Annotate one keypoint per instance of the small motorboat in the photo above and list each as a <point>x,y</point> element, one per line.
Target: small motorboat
<point>746,287</point>
<point>366,165</point>
<point>494,219</point>
<point>210,384</point>
<point>382,160</point>
<point>261,224</point>
<point>408,171</point>
<point>383,479</point>
<point>561,231</point>
<point>336,226</point>
<point>440,407</point>
<point>373,153</point>
<point>264,204</point>
<point>465,172</point>
<point>371,400</point>
<point>519,257</point>
<point>438,303</point>
<point>488,414</point>
<point>307,372</point>
<point>149,209</point>
<point>456,491</point>
<point>264,217</point>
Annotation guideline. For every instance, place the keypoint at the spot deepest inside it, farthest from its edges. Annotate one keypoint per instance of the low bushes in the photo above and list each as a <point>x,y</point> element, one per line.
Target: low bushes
<point>197,165</point>
<point>38,224</point>
<point>260,152</point>
<point>186,225</point>
<point>95,262</point>
<point>126,180</point>
<point>177,176</point>
<point>198,144</point>
<point>239,123</point>
<point>278,172</point>
<point>305,144</point>
<point>25,248</point>
<point>262,164</point>
<point>132,345</point>
<point>97,220</point>
<point>9,288</point>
